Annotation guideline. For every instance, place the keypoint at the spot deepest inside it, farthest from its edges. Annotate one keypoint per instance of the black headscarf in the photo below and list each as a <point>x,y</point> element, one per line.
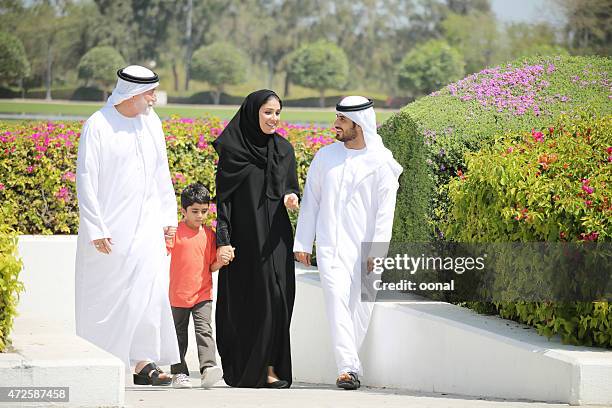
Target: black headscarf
<point>242,146</point>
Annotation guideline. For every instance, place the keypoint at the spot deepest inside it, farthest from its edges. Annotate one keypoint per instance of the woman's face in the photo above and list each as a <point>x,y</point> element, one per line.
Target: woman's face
<point>269,116</point>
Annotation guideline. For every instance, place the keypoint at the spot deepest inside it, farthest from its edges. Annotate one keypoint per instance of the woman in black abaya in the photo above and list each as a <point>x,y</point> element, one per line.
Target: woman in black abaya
<point>256,181</point>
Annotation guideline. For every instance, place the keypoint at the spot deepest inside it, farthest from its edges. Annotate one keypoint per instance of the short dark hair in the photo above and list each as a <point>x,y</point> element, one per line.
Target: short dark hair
<point>194,193</point>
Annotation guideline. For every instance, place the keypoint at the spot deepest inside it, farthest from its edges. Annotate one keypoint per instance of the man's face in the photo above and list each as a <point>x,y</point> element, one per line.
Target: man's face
<point>194,215</point>
<point>346,129</point>
<point>145,101</point>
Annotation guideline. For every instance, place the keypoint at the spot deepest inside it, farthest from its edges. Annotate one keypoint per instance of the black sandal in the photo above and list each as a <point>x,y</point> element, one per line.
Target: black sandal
<point>351,384</point>
<point>150,375</point>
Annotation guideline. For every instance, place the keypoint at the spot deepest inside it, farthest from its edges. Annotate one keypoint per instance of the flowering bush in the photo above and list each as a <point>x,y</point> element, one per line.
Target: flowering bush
<point>549,184</point>
<point>10,286</point>
<point>38,165</point>
<point>468,115</point>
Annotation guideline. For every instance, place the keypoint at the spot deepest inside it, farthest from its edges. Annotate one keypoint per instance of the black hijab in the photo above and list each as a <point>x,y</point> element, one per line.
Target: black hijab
<point>242,146</point>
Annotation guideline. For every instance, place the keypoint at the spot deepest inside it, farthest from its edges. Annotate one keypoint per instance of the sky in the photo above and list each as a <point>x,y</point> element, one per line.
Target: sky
<point>510,11</point>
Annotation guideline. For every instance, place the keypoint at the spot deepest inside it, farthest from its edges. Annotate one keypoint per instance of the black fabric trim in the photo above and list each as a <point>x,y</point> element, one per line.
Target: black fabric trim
<point>355,108</point>
<point>137,80</point>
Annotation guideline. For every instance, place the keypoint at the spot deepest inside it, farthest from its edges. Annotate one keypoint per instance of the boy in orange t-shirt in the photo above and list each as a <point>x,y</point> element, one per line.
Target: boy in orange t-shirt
<point>194,258</point>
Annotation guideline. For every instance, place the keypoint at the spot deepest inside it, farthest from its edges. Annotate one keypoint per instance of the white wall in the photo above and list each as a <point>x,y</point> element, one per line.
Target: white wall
<point>416,345</point>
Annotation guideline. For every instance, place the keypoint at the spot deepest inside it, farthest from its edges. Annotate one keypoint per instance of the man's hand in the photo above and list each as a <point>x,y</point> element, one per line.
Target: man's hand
<point>303,257</point>
<point>169,233</point>
<point>225,254</point>
<point>103,245</point>
<point>292,201</point>
<point>370,265</point>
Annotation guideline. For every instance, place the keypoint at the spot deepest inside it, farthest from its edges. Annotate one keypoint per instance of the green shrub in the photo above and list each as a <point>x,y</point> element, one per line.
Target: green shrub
<point>549,184</point>
<point>10,286</point>
<point>471,113</point>
<point>38,165</point>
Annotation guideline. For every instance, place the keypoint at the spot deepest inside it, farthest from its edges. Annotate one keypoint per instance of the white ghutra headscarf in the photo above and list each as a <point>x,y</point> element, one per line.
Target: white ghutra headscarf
<point>361,111</point>
<point>133,80</point>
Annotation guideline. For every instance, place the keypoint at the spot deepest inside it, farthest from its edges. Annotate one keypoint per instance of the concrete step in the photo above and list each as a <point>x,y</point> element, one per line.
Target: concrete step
<point>46,355</point>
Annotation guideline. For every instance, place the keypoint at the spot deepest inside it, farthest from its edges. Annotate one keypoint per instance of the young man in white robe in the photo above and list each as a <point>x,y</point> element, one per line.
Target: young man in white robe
<point>127,207</point>
<point>349,199</point>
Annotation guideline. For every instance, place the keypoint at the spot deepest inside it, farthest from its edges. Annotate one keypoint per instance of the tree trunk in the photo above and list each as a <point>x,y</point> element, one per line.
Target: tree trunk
<point>322,98</point>
<point>271,70</point>
<point>287,84</point>
<point>48,74</point>
<point>104,94</point>
<point>216,96</point>
<point>22,88</point>
<point>188,43</point>
<point>175,76</point>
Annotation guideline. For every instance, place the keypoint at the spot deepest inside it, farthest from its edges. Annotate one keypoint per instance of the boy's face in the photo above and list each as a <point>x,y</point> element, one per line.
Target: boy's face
<point>195,214</point>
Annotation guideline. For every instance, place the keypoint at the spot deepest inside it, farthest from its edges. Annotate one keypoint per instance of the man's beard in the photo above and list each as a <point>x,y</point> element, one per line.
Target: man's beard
<point>144,107</point>
<point>347,135</point>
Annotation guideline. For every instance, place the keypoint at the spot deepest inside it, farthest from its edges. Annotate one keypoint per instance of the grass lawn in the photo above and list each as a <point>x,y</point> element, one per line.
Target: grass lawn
<point>319,116</point>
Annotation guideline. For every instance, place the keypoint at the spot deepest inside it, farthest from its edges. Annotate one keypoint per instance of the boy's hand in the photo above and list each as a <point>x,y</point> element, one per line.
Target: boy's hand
<point>292,201</point>
<point>225,254</point>
<point>223,259</point>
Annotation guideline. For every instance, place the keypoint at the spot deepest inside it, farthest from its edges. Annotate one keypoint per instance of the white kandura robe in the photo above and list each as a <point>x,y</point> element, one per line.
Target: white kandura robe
<point>345,203</point>
<point>125,193</point>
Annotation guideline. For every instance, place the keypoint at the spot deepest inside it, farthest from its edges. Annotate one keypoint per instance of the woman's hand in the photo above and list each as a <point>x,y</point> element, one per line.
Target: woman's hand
<point>292,201</point>
<point>225,254</point>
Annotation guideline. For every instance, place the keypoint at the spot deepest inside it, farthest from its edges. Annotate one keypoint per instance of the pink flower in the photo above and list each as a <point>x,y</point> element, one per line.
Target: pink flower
<point>213,223</point>
<point>213,208</point>
<point>2,187</point>
<point>587,189</point>
<point>69,176</point>
<point>609,150</point>
<point>178,178</point>
<point>30,169</point>
<point>537,136</point>
<point>63,194</point>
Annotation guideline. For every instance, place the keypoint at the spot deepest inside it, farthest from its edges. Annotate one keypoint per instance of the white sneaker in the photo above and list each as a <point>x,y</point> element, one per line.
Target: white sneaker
<point>211,376</point>
<point>181,381</point>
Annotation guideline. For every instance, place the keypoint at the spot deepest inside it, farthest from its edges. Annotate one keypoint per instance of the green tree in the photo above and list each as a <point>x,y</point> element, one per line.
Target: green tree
<point>219,64</point>
<point>466,7</point>
<point>14,63</point>
<point>475,36</point>
<point>588,27</point>
<point>430,66</point>
<point>100,64</point>
<point>320,65</point>
<point>525,40</point>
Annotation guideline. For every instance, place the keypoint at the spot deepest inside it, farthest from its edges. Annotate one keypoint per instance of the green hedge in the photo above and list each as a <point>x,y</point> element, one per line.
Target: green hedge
<point>551,184</point>
<point>437,130</point>
<point>10,287</point>
<point>38,164</point>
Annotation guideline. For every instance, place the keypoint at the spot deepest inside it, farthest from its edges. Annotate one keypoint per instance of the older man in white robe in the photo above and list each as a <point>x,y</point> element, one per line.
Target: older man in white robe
<point>349,199</point>
<point>127,206</point>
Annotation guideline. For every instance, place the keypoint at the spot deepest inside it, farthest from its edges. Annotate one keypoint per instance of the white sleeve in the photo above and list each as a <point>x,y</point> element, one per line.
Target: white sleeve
<point>87,178</point>
<point>165,188</point>
<point>386,193</point>
<point>309,210</point>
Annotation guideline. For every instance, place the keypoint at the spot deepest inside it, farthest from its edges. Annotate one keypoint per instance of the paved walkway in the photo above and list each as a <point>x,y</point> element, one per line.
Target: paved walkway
<point>307,396</point>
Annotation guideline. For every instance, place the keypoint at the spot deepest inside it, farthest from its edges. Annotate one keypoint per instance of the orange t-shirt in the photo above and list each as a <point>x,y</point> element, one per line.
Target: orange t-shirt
<point>190,276</point>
